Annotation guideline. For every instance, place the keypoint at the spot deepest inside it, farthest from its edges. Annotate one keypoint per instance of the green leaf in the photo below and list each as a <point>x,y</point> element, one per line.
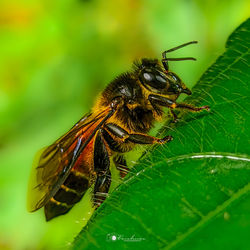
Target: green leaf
<point>194,192</point>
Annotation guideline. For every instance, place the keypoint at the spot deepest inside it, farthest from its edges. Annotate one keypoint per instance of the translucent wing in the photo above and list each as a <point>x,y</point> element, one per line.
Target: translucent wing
<point>52,165</point>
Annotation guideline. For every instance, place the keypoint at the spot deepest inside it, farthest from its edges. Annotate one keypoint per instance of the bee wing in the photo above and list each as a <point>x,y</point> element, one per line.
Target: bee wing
<point>52,164</point>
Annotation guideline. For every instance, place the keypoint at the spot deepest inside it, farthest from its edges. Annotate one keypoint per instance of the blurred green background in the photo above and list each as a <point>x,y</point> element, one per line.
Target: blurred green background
<point>56,56</point>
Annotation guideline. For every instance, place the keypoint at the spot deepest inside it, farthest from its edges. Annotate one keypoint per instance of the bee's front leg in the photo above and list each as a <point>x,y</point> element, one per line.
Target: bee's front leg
<point>164,101</point>
<point>174,115</point>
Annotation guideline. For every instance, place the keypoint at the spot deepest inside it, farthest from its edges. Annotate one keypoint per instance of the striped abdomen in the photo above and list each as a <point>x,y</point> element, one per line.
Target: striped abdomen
<point>70,192</point>
<point>74,187</point>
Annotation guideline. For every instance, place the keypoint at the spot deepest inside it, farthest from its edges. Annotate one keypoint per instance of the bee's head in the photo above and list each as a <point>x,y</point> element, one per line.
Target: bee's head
<point>160,81</point>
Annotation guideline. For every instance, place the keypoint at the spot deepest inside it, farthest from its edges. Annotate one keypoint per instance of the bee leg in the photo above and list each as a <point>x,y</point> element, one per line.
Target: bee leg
<point>163,101</point>
<point>174,115</point>
<point>101,167</point>
<point>113,144</point>
<point>147,139</point>
<point>136,137</point>
<point>121,165</point>
<point>101,188</point>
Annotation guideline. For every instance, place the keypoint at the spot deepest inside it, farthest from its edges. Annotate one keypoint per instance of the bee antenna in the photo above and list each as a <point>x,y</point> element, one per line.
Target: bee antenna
<point>178,47</point>
<point>181,59</point>
<point>165,59</point>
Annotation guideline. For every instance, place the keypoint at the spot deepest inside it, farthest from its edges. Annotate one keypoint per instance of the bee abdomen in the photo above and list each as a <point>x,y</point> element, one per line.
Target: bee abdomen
<point>70,192</point>
<point>54,208</point>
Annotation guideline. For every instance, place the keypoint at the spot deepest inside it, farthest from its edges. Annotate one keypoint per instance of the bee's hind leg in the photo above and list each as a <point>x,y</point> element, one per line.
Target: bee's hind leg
<point>101,168</point>
<point>101,188</point>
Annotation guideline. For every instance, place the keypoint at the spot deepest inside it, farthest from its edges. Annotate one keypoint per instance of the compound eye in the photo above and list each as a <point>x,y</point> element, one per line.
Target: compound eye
<point>153,78</point>
<point>148,76</point>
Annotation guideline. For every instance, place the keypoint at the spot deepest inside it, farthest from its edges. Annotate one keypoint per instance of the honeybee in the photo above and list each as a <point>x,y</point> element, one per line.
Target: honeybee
<point>121,118</point>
